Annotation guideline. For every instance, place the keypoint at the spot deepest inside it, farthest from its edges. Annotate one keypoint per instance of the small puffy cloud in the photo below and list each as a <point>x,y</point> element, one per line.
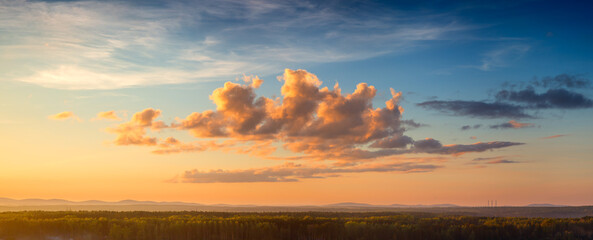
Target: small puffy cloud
<point>554,136</point>
<point>468,127</point>
<point>476,109</point>
<point>393,142</point>
<point>512,124</point>
<point>109,115</point>
<point>134,131</point>
<point>253,81</point>
<point>291,172</point>
<point>427,144</point>
<point>64,116</point>
<point>411,124</point>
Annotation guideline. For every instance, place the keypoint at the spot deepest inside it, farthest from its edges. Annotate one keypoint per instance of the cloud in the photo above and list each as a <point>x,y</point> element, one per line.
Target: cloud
<point>501,161</point>
<point>308,119</point>
<point>493,160</point>
<point>476,109</point>
<point>118,44</point>
<point>563,80</point>
<point>133,132</point>
<point>394,142</point>
<point>411,124</point>
<point>553,98</point>
<point>108,115</point>
<point>512,124</point>
<point>515,104</point>
<point>468,127</point>
<point>295,172</point>
<point>313,121</point>
<point>503,56</point>
<point>64,116</point>
<point>555,136</point>
<point>435,147</point>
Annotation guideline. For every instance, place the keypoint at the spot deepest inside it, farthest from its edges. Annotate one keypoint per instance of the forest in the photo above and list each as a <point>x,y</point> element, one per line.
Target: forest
<point>100,225</point>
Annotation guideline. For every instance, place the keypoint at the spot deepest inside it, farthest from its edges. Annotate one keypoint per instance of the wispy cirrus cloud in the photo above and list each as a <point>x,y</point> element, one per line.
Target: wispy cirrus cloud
<point>512,124</point>
<point>502,56</point>
<point>493,160</point>
<point>113,44</point>
<point>555,136</point>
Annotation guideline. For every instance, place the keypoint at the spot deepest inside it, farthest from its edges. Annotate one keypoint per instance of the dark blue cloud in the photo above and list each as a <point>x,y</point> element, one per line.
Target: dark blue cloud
<point>468,127</point>
<point>514,103</point>
<point>563,80</point>
<point>553,98</point>
<point>476,109</point>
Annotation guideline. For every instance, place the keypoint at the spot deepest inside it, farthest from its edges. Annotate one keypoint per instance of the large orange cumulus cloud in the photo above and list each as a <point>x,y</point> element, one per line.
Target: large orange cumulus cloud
<point>313,121</point>
<point>307,119</point>
<point>319,123</point>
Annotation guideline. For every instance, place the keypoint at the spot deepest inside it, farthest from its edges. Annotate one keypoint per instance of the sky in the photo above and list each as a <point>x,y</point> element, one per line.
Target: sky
<point>297,102</point>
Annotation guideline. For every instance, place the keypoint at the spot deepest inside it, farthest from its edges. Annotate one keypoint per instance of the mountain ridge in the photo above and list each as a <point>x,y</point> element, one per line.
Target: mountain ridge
<point>49,202</point>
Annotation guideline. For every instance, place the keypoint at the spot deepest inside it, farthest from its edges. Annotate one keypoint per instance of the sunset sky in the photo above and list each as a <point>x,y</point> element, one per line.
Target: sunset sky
<point>297,102</point>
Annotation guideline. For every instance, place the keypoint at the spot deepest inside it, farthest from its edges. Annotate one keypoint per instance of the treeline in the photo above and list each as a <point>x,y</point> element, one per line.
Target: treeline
<point>203,225</point>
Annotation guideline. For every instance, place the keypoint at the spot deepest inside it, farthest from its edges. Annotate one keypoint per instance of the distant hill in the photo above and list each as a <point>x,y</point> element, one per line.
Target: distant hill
<point>53,202</point>
<point>532,210</point>
<point>544,205</point>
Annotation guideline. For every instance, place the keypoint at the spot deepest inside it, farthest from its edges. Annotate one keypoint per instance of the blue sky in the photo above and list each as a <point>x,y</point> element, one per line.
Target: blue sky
<point>446,58</point>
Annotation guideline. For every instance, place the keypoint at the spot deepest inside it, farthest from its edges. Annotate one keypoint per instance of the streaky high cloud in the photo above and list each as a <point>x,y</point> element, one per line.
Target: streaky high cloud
<point>433,146</point>
<point>108,115</point>
<point>555,136</point>
<point>493,160</point>
<point>291,172</point>
<point>503,56</point>
<point>476,109</point>
<point>64,116</point>
<point>512,124</point>
<point>118,44</point>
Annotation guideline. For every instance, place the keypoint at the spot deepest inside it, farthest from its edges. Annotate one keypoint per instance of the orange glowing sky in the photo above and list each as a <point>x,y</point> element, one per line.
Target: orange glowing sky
<point>295,103</point>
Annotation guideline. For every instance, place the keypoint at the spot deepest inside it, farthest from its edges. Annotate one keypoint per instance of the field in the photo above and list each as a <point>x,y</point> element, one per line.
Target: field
<point>95,225</point>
